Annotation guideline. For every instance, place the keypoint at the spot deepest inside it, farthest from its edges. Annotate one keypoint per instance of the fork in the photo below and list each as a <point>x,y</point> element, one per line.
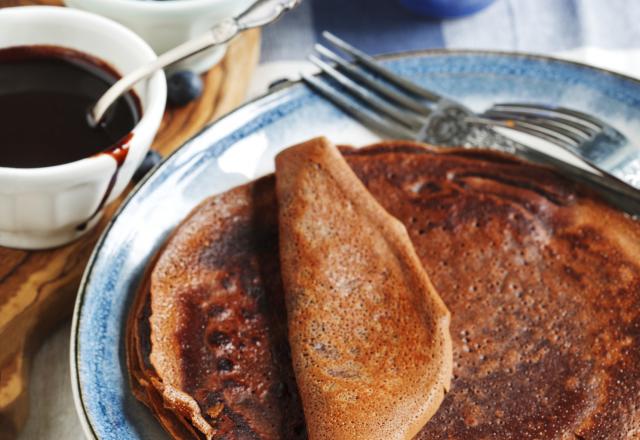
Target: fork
<point>590,139</point>
<point>399,108</point>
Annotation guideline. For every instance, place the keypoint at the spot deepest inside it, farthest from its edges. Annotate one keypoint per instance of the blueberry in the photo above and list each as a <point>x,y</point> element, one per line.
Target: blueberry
<point>183,87</point>
<point>151,159</point>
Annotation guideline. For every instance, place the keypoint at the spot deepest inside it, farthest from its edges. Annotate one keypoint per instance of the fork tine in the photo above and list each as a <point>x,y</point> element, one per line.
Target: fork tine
<point>524,127</point>
<point>610,179</point>
<point>370,98</point>
<point>615,181</point>
<point>373,65</point>
<point>556,112</point>
<point>579,128</point>
<point>368,118</point>
<point>576,135</point>
<point>378,86</point>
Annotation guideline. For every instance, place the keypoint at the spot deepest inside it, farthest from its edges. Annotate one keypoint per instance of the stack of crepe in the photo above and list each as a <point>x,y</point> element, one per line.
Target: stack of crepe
<point>309,304</point>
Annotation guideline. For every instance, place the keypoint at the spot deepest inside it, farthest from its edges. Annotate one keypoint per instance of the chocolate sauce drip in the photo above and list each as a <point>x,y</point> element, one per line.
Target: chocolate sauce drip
<point>117,152</point>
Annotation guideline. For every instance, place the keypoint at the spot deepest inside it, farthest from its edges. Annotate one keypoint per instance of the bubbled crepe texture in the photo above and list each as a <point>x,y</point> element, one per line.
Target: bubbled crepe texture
<point>369,335</point>
<point>542,280</point>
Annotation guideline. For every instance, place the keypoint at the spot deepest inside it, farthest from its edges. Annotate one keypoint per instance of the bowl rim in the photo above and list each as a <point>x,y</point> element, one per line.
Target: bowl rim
<point>157,6</point>
<point>153,105</point>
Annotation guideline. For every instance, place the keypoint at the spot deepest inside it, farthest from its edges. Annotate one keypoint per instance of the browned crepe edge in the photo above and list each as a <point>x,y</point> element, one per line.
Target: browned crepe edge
<point>146,384</point>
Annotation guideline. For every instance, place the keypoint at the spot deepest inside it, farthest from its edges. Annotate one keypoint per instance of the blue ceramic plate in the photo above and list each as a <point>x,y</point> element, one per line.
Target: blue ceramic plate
<point>241,147</point>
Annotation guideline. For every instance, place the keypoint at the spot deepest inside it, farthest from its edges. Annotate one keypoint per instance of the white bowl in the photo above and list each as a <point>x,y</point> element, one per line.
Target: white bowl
<point>44,207</point>
<point>166,24</point>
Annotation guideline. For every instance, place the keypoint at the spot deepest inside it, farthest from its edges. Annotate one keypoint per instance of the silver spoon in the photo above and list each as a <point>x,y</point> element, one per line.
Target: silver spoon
<point>259,14</point>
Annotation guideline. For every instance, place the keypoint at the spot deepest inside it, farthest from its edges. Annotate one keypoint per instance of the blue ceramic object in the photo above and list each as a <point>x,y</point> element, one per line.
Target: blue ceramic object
<point>183,87</point>
<point>445,8</point>
<point>242,146</point>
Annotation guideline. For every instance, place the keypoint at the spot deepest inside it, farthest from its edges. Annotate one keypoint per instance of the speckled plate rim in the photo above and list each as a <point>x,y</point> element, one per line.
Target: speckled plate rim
<point>231,122</point>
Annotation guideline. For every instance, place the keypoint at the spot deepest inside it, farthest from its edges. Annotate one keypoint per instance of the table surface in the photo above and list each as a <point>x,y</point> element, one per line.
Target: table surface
<point>377,26</point>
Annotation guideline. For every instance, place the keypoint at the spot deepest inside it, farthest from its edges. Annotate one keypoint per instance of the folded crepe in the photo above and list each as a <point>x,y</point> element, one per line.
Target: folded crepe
<point>369,335</point>
<point>541,277</point>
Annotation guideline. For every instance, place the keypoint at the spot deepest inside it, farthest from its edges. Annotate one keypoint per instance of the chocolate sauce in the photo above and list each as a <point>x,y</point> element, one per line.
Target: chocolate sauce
<point>45,94</point>
<point>117,152</point>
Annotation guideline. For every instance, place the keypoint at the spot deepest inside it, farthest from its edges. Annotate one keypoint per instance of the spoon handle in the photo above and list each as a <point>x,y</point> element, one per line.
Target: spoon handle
<point>219,34</point>
<point>260,13</point>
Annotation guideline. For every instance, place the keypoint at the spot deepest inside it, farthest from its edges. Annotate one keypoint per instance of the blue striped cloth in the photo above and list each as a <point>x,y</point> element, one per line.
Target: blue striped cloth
<point>382,26</point>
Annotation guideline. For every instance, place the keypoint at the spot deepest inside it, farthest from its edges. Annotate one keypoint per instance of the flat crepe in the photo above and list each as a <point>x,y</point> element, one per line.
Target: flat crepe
<point>369,335</point>
<point>543,283</point>
<point>542,280</point>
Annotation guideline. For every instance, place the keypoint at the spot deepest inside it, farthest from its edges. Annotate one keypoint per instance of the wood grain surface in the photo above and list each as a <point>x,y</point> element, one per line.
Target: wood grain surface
<point>37,289</point>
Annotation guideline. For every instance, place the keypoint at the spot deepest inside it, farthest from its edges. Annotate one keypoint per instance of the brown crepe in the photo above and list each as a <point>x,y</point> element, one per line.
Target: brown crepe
<point>542,280</point>
<point>207,346</point>
<point>369,335</point>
